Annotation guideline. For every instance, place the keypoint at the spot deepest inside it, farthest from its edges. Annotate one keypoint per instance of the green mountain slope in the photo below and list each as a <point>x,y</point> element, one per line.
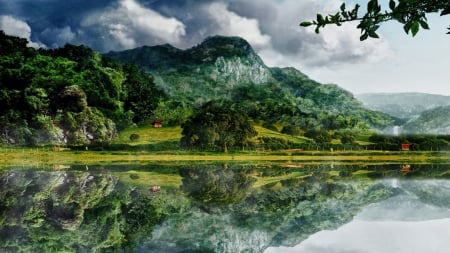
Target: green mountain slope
<point>228,68</point>
<point>433,121</point>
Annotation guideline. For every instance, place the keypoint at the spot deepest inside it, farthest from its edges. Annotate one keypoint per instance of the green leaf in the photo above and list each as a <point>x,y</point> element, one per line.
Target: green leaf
<point>317,30</point>
<point>320,19</point>
<point>424,25</point>
<point>306,23</point>
<point>446,11</point>
<point>407,27</point>
<point>372,6</point>
<point>343,7</point>
<point>415,28</point>
<point>373,34</point>
<point>364,36</point>
<point>392,4</point>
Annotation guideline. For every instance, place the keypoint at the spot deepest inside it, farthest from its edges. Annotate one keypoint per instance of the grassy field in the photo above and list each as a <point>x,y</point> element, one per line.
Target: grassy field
<point>41,156</point>
<point>45,156</point>
<point>149,135</point>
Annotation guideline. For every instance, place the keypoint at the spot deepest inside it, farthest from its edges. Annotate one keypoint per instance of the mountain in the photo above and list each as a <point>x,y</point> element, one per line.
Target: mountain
<point>433,121</point>
<point>228,68</point>
<point>403,105</point>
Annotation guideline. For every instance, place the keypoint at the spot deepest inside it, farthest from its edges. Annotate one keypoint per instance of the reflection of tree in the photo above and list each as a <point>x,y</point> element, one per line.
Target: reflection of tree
<point>73,211</point>
<point>217,185</point>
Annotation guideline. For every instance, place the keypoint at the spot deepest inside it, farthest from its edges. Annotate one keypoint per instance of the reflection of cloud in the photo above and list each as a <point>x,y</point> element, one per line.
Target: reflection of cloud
<point>405,223</point>
<point>19,28</point>
<point>371,237</point>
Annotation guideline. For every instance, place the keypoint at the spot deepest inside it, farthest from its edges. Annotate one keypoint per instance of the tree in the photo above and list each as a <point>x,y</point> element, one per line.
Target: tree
<point>216,184</point>
<point>292,130</point>
<point>215,124</point>
<point>319,136</point>
<point>142,95</point>
<point>410,13</point>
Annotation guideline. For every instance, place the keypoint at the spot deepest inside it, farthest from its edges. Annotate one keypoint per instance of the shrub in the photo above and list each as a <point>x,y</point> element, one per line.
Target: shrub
<point>134,137</point>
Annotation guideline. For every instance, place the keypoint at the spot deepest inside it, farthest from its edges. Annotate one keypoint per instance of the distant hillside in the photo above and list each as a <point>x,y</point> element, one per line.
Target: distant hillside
<point>403,105</point>
<point>433,121</point>
<point>228,68</point>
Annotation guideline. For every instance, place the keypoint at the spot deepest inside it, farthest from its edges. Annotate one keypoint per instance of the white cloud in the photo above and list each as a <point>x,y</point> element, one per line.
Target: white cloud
<point>19,28</point>
<point>60,36</point>
<point>299,46</point>
<point>231,24</point>
<point>134,25</point>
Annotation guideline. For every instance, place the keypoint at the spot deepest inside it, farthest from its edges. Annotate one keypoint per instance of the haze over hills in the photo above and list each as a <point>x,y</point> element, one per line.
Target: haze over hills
<point>403,105</point>
<point>432,121</point>
<point>228,68</point>
<point>421,113</point>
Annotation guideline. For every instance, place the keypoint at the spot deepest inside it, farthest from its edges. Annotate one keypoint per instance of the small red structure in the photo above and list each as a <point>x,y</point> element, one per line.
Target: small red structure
<point>406,146</point>
<point>157,124</point>
<point>406,168</point>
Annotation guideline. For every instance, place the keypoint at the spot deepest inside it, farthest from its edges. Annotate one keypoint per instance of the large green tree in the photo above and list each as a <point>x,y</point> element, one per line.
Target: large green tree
<point>410,13</point>
<point>215,124</point>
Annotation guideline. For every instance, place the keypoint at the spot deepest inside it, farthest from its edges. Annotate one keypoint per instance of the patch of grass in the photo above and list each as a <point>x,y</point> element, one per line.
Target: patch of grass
<point>144,179</point>
<point>149,135</point>
<point>264,132</point>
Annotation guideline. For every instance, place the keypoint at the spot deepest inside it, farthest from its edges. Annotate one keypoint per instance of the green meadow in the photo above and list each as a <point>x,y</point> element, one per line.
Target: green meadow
<point>126,151</point>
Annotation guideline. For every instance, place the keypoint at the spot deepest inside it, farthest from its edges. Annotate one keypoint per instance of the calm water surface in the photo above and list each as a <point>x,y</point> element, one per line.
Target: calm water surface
<point>202,207</point>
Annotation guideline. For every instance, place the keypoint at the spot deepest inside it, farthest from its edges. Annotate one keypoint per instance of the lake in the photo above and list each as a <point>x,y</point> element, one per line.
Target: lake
<point>226,207</point>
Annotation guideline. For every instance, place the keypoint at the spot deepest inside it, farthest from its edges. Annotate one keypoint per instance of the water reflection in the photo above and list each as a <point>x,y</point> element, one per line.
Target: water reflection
<point>414,220</point>
<point>213,207</point>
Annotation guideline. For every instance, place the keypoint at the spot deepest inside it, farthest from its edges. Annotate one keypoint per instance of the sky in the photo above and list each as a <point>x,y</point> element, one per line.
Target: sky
<point>395,63</point>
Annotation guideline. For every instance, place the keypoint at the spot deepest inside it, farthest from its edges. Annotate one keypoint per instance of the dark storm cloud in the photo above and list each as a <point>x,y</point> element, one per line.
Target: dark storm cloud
<point>271,26</point>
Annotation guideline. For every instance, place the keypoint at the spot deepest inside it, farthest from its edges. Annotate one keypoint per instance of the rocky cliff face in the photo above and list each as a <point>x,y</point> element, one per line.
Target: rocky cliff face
<point>217,63</point>
<point>236,70</point>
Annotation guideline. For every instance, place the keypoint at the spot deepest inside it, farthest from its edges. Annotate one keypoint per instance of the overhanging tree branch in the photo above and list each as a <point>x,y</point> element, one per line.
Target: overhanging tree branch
<point>410,13</point>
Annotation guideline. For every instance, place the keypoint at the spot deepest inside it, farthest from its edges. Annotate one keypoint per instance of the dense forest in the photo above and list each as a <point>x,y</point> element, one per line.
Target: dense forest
<point>69,95</point>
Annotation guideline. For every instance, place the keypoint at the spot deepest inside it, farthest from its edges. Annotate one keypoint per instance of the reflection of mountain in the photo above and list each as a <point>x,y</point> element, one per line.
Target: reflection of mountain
<point>417,200</point>
<point>419,214</point>
<point>213,208</point>
<point>284,213</point>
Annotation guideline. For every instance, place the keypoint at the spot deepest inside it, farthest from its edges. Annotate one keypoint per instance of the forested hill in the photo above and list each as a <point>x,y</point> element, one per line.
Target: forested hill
<point>69,95</point>
<point>228,68</point>
<point>403,105</point>
<point>74,95</point>
<point>433,121</point>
